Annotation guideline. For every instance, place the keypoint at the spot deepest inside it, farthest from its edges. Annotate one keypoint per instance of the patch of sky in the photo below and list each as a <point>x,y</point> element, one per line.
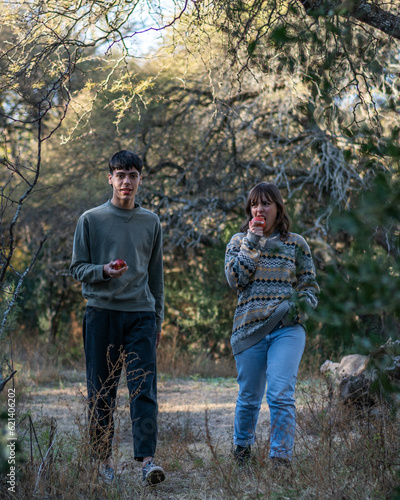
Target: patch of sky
<point>147,26</point>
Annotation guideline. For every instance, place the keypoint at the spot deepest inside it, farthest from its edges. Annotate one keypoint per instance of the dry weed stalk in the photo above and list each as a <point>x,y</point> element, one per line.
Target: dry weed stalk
<point>227,477</point>
<point>341,447</point>
<point>339,453</point>
<point>67,466</point>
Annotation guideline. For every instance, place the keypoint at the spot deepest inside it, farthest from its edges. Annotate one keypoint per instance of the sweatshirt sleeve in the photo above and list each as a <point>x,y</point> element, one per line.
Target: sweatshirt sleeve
<point>81,267</point>
<point>241,259</point>
<point>156,277</point>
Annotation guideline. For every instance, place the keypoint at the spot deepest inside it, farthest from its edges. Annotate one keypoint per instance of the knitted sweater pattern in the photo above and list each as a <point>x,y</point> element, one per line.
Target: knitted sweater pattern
<point>271,278</point>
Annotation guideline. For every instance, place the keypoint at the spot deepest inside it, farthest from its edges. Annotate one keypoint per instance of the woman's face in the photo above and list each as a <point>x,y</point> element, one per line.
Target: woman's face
<point>266,209</point>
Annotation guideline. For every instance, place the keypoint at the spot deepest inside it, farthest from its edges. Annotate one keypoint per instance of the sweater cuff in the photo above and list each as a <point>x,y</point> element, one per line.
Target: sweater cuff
<point>252,238</point>
<point>99,273</point>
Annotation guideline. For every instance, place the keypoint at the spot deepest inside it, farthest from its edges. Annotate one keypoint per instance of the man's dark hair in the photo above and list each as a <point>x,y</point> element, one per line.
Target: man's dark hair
<point>125,160</point>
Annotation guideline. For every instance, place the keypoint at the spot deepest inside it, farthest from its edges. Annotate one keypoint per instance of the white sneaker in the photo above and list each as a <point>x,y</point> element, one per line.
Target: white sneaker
<point>107,474</point>
<point>152,474</point>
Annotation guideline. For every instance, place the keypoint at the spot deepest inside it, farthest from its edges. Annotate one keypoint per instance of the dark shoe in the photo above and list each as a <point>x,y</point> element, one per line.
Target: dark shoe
<point>242,455</point>
<point>107,474</point>
<point>152,474</point>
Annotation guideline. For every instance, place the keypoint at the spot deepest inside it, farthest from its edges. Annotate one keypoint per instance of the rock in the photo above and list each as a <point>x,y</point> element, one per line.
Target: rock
<point>353,364</point>
<point>356,389</point>
<point>351,379</point>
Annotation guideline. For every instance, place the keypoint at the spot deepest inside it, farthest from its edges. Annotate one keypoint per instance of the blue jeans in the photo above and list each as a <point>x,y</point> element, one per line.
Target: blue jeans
<point>275,361</point>
<point>113,339</point>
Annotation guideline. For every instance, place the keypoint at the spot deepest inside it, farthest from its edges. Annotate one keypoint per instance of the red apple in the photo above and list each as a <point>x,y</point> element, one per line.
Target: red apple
<point>258,221</point>
<point>119,264</point>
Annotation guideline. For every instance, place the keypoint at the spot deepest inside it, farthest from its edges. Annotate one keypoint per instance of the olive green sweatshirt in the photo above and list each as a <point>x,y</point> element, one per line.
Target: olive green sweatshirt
<point>107,233</point>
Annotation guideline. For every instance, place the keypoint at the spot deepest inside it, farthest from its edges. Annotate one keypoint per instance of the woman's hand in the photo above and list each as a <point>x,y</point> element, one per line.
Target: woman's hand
<point>256,225</point>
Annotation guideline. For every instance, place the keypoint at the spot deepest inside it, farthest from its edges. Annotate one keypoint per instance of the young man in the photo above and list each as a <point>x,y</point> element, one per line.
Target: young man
<point>124,313</point>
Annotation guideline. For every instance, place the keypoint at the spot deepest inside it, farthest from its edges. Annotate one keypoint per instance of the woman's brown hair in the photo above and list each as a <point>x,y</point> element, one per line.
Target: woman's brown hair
<point>269,192</point>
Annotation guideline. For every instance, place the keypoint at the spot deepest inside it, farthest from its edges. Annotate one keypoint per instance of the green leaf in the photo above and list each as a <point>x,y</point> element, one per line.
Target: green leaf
<point>251,47</point>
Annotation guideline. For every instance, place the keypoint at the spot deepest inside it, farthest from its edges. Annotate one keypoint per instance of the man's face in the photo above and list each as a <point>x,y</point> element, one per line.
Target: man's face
<point>125,184</point>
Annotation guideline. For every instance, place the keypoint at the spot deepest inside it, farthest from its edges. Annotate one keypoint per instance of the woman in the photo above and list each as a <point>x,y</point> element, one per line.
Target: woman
<point>273,273</point>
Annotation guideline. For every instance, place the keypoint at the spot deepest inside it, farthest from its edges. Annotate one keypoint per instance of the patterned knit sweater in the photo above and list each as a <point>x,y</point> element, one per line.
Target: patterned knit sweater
<point>271,278</point>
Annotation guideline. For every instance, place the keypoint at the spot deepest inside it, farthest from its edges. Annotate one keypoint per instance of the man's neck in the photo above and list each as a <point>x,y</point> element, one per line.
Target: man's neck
<point>129,205</point>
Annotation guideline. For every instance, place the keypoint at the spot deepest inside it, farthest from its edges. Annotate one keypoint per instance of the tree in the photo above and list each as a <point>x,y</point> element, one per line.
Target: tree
<point>43,42</point>
<point>369,13</point>
<point>253,90</point>
<point>199,149</point>
<point>25,108</point>
<point>360,284</point>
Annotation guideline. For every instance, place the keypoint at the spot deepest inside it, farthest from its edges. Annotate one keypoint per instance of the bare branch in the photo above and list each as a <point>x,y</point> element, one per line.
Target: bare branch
<point>3,382</point>
<point>12,301</point>
<point>366,12</point>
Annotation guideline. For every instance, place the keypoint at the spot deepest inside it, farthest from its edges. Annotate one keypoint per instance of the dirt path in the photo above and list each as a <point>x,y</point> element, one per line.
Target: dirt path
<point>195,440</point>
<point>184,405</point>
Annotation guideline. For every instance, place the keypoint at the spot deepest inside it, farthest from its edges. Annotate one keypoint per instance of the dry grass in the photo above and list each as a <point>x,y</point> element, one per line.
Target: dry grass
<point>340,453</point>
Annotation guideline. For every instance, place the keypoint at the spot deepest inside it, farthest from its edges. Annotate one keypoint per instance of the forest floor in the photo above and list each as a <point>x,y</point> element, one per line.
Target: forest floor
<point>195,442</point>
<point>184,405</point>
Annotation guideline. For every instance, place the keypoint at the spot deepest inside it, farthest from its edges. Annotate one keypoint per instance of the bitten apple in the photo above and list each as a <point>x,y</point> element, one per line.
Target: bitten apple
<point>258,221</point>
<point>118,264</point>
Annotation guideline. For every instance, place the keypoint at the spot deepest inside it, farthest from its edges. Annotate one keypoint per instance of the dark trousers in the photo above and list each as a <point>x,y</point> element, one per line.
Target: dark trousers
<point>112,339</point>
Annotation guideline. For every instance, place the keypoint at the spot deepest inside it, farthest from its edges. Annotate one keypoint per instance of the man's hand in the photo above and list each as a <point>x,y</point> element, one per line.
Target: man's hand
<point>110,272</point>
<point>158,339</point>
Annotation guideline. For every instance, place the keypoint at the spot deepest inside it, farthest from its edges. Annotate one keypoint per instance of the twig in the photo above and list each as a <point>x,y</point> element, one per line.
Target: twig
<point>216,459</point>
<point>3,382</point>
<point>15,294</point>
<point>43,462</point>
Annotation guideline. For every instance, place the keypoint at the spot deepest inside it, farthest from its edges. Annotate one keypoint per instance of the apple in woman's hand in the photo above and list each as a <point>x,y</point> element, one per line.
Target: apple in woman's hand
<point>119,264</point>
<point>258,221</point>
